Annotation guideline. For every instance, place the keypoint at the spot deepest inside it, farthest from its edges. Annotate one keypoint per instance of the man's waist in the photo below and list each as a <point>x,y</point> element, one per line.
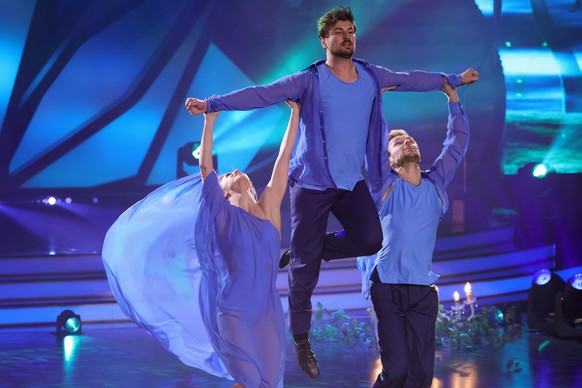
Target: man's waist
<point>321,182</point>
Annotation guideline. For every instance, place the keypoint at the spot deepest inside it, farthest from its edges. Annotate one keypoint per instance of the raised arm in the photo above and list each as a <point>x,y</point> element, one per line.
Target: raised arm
<point>457,140</point>
<point>253,97</point>
<point>272,196</point>
<point>205,162</point>
<point>422,81</point>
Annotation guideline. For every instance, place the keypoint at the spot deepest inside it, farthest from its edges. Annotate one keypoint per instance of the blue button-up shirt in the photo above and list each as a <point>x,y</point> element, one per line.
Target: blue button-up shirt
<point>309,163</point>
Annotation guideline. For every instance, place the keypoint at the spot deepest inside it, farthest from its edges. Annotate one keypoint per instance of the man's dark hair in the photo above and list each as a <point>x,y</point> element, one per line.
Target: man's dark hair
<point>329,19</point>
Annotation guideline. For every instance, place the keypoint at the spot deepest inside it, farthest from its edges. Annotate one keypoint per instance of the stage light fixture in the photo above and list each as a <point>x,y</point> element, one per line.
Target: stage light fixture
<point>541,299</point>
<point>506,315</point>
<point>498,316</point>
<point>569,309</point>
<point>540,170</point>
<point>51,201</point>
<point>535,170</point>
<point>494,315</point>
<point>572,302</point>
<point>68,323</point>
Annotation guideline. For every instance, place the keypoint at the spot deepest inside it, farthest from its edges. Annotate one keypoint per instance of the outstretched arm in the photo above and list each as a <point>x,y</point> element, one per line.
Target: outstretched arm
<point>205,163</point>
<point>253,97</point>
<point>271,198</point>
<point>422,81</point>
<point>457,140</point>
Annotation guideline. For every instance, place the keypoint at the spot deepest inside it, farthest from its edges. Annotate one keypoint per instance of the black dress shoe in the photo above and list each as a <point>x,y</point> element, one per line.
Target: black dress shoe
<point>306,358</point>
<point>285,259</point>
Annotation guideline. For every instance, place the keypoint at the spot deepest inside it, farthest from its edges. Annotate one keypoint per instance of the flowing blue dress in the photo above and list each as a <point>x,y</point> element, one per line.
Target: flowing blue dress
<point>199,275</point>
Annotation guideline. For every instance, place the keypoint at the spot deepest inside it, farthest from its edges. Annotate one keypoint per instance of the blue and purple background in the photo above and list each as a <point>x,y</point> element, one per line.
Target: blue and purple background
<point>92,94</point>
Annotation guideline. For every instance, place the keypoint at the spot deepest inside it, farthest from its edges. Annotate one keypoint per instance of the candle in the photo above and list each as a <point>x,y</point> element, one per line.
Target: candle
<point>456,308</point>
<point>468,291</point>
<point>470,300</point>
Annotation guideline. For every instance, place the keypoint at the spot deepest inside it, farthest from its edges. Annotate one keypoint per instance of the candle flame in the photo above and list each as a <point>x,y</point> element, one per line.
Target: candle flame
<point>468,289</point>
<point>456,296</point>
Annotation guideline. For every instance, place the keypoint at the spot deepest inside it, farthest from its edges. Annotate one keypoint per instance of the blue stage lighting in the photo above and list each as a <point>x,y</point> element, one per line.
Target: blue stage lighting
<point>541,299</point>
<point>572,301</point>
<point>540,171</point>
<point>68,323</point>
<point>542,277</point>
<point>576,281</point>
<point>50,201</point>
<point>499,317</point>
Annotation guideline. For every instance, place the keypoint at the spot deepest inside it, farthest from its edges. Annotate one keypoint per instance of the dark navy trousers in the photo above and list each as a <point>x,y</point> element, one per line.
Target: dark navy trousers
<point>406,333</point>
<point>310,209</point>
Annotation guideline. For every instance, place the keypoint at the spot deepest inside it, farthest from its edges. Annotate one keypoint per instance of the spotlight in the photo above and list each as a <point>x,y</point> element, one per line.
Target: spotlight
<point>496,315</point>
<point>572,302</point>
<point>541,299</point>
<point>535,170</point>
<point>542,277</point>
<point>68,323</point>
<point>506,315</point>
<point>49,201</point>
<point>569,309</point>
<point>540,171</point>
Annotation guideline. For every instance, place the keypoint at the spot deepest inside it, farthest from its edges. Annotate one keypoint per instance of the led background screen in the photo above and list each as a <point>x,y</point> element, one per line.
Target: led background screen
<point>92,93</point>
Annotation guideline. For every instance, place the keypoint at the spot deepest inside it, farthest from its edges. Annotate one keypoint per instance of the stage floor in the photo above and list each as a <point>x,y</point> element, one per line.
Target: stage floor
<point>125,356</point>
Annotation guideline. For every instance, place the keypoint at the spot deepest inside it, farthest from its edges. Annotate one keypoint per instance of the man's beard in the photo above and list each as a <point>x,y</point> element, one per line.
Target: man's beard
<point>344,53</point>
<point>408,158</point>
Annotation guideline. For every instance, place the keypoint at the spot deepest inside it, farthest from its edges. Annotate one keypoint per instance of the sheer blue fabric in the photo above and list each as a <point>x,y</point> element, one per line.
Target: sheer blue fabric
<point>199,275</point>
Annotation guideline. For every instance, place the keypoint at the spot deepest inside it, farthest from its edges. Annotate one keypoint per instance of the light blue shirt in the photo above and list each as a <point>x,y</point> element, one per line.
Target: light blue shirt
<point>409,217</point>
<point>396,212</point>
<point>346,113</point>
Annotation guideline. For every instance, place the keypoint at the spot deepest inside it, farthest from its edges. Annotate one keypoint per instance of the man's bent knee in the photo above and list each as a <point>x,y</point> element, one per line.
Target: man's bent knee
<point>371,246</point>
